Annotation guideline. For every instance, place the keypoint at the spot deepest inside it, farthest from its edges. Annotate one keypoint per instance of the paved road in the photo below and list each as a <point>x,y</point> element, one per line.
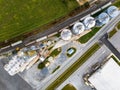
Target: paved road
<point>94,39</point>
<point>115,40</point>
<point>59,26</point>
<point>11,83</point>
<point>49,80</point>
<point>105,40</point>
<point>77,77</point>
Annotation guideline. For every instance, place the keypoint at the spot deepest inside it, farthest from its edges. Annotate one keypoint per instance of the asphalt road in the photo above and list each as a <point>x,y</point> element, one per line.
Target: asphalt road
<point>17,83</point>
<point>77,77</point>
<point>8,82</point>
<point>109,26</point>
<point>105,40</point>
<point>59,26</point>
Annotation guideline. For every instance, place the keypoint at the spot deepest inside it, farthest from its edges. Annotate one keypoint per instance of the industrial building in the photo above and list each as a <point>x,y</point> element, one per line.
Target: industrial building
<point>103,18</point>
<point>106,77</point>
<point>78,28</point>
<point>89,22</point>
<point>113,11</point>
<point>66,34</point>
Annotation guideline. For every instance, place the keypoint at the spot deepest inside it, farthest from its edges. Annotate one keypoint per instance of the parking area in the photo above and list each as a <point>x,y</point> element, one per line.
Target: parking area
<point>8,82</point>
<point>77,78</point>
<point>37,77</point>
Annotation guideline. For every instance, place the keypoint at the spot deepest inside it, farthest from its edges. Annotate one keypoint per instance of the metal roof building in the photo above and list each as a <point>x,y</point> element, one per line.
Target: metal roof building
<point>89,22</point>
<point>113,11</point>
<point>103,18</point>
<point>78,28</point>
<point>107,77</point>
<point>66,34</point>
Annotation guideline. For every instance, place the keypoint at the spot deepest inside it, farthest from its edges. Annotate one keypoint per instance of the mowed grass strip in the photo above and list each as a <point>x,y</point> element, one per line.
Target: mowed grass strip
<point>116,59</point>
<point>74,67</point>
<point>111,33</point>
<point>118,26</point>
<point>18,17</point>
<point>89,35</point>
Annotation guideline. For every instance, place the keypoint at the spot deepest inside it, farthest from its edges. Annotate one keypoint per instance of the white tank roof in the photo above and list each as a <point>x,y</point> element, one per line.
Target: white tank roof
<point>113,11</point>
<point>78,28</point>
<point>89,22</point>
<point>66,34</point>
<point>103,18</point>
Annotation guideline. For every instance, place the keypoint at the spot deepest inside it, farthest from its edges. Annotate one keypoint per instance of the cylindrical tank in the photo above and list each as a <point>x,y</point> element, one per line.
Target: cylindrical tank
<point>89,22</point>
<point>66,34</point>
<point>103,18</point>
<point>113,11</point>
<point>78,28</point>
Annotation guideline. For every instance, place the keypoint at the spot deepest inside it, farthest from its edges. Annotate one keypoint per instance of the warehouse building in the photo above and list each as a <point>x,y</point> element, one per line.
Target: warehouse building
<point>107,77</point>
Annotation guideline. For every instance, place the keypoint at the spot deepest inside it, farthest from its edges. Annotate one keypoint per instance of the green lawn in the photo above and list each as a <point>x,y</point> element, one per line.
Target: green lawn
<point>89,35</point>
<point>55,52</point>
<point>118,26</point>
<point>117,3</point>
<point>73,67</point>
<point>69,87</point>
<point>21,16</point>
<point>116,60</point>
<point>56,69</point>
<point>42,64</point>
<point>111,33</point>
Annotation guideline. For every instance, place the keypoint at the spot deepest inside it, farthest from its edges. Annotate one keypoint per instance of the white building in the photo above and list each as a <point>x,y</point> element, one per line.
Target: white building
<point>113,11</point>
<point>89,22</point>
<point>103,18</point>
<point>107,77</point>
<point>78,28</point>
<point>66,34</point>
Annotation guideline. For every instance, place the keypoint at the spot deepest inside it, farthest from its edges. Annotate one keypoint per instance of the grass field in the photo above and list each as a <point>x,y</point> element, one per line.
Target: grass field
<point>21,16</point>
<point>74,67</point>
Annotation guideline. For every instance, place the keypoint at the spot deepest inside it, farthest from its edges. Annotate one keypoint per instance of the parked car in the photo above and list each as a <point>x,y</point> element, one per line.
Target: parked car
<point>95,66</point>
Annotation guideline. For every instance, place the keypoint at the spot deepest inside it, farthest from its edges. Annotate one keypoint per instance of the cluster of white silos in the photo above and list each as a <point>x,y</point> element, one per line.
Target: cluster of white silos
<point>89,22</point>
<point>78,28</point>
<point>105,16</point>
